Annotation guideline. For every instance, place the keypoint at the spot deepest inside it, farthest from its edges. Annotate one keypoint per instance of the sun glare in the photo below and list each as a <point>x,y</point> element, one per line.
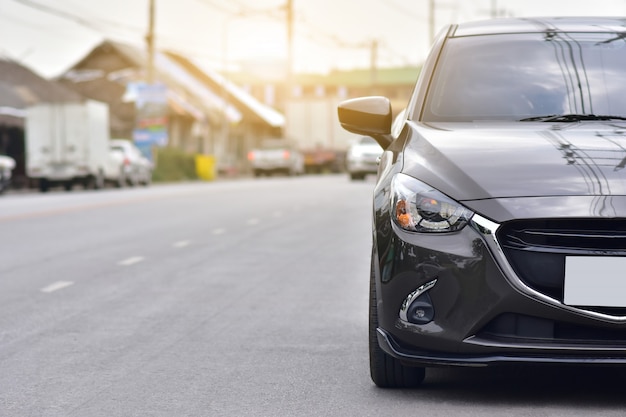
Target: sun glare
<point>251,40</point>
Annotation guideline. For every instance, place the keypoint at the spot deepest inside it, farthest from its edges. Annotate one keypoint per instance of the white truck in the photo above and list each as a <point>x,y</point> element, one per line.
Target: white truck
<point>68,144</point>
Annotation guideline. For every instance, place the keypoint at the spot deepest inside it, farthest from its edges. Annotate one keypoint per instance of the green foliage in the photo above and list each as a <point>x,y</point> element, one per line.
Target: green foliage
<point>173,165</point>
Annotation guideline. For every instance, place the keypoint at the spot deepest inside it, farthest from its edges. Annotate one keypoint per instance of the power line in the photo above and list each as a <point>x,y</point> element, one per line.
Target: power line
<point>304,28</point>
<point>319,36</point>
<point>69,16</point>
<point>96,25</point>
<point>402,10</point>
<point>243,10</point>
<point>216,5</point>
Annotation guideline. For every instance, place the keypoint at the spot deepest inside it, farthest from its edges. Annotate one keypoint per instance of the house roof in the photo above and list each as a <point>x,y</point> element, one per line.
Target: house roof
<point>128,68</point>
<point>198,92</point>
<point>20,87</point>
<point>207,96</point>
<point>235,94</point>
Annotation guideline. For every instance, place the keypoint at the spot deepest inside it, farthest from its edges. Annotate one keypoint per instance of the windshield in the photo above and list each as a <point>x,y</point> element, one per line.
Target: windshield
<point>515,76</point>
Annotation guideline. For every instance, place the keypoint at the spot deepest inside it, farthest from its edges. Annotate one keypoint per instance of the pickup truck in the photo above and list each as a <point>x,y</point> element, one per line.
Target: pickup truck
<point>276,156</point>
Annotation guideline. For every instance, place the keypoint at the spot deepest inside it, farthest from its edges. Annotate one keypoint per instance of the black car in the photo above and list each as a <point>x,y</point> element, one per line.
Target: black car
<point>499,210</point>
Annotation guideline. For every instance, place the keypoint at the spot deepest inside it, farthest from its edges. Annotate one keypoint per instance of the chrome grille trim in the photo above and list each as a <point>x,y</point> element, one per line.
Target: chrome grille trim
<point>487,229</point>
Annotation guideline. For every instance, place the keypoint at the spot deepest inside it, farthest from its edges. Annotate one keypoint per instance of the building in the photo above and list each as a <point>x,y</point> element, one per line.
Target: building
<point>395,83</point>
<point>258,120</point>
<point>310,108</point>
<point>206,114</point>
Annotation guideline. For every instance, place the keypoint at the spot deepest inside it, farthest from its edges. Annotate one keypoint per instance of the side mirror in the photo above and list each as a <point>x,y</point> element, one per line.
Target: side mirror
<point>370,116</point>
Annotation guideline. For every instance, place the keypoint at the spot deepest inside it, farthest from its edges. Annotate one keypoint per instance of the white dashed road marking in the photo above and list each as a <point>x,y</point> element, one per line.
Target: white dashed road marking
<point>56,286</point>
<point>130,261</point>
<point>219,231</point>
<point>253,221</point>
<point>181,244</point>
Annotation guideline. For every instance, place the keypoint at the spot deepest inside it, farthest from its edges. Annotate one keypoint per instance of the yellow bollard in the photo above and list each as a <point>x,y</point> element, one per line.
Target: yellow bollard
<point>205,167</point>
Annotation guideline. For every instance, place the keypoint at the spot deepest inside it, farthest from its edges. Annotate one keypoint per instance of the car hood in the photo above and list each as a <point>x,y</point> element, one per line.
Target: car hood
<point>519,161</point>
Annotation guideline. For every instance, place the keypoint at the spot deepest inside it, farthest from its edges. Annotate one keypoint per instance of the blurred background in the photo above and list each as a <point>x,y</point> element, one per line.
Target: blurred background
<point>199,85</point>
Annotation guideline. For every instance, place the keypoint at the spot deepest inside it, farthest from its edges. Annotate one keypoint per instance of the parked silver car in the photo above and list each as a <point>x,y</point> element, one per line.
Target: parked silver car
<point>362,157</point>
<point>6,166</point>
<point>136,168</point>
<point>276,155</point>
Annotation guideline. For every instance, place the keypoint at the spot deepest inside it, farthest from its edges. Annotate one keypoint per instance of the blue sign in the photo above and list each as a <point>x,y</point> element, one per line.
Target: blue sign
<point>151,114</point>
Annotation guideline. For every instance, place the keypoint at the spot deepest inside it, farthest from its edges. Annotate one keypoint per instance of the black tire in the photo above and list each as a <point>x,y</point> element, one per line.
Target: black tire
<point>95,182</point>
<point>387,371</point>
<point>357,176</point>
<point>121,179</point>
<point>132,180</point>
<point>100,182</point>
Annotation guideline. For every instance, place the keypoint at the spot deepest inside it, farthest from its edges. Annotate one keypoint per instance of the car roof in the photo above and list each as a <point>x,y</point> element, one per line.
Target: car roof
<point>541,24</point>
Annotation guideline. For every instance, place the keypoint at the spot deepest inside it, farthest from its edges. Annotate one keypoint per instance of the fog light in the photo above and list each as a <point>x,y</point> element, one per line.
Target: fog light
<point>418,308</point>
<point>421,311</point>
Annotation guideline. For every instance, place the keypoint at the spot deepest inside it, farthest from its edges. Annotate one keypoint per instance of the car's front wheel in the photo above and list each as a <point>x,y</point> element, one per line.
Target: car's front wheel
<point>386,371</point>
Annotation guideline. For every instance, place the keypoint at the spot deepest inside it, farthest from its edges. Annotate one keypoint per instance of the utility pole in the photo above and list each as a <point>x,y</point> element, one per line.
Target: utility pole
<point>289,85</point>
<point>150,42</point>
<point>431,20</point>
<point>373,64</point>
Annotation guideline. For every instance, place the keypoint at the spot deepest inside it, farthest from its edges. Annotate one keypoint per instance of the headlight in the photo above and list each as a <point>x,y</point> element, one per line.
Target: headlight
<point>417,207</point>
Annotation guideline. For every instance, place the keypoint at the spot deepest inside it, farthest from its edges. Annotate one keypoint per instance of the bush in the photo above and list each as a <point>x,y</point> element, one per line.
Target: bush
<point>173,165</point>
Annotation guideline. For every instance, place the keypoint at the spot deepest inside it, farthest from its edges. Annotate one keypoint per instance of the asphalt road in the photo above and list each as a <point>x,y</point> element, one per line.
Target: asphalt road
<point>235,298</point>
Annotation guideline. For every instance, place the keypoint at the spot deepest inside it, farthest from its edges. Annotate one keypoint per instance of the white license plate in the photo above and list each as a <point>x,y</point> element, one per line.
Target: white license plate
<point>598,281</point>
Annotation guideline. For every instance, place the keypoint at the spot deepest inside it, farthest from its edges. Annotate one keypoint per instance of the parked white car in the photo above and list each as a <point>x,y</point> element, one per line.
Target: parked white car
<point>6,166</point>
<point>135,168</point>
<point>362,157</point>
<point>276,155</point>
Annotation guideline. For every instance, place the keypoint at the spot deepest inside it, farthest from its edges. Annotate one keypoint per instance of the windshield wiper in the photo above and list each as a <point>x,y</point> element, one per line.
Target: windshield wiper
<point>571,118</point>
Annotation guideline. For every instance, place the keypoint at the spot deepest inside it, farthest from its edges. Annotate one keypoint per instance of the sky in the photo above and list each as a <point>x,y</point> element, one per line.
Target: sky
<point>49,36</point>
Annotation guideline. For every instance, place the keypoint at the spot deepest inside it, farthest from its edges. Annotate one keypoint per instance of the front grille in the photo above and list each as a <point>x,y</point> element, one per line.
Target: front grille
<point>571,236</point>
<point>536,250</point>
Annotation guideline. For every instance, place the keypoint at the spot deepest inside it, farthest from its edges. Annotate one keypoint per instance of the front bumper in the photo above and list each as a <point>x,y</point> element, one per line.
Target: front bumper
<point>483,312</point>
<point>415,357</point>
<point>272,166</point>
